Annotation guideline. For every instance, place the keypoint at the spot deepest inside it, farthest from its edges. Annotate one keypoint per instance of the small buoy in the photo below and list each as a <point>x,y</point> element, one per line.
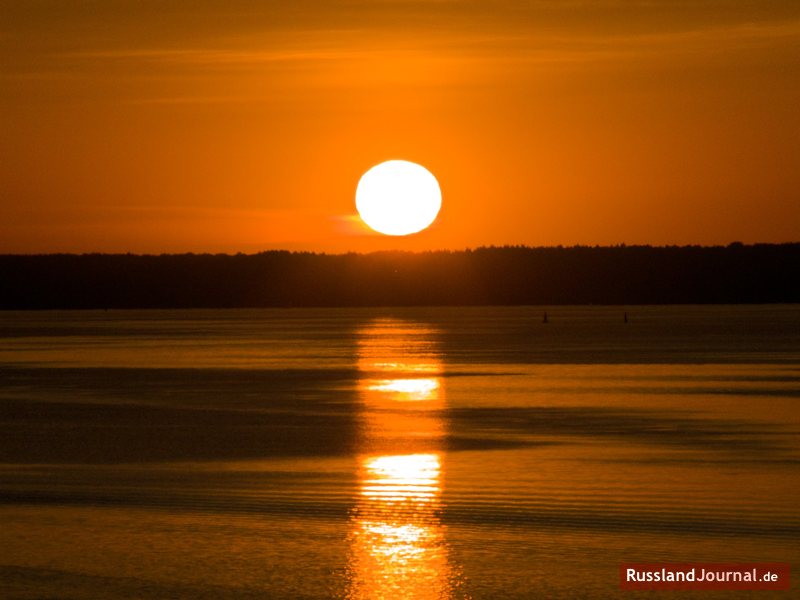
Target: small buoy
<point>625,318</point>
<point>544,319</point>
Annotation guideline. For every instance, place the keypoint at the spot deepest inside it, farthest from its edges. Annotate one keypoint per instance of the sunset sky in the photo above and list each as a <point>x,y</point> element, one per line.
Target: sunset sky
<point>152,126</point>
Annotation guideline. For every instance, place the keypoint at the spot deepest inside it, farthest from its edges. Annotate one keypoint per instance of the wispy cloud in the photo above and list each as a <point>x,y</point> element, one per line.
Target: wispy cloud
<point>512,45</point>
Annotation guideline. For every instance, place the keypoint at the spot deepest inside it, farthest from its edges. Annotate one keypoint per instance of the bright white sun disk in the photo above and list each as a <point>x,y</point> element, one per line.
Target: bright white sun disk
<point>398,197</point>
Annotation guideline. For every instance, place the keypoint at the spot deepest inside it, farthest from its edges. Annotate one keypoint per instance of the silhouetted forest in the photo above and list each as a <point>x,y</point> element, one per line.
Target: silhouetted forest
<point>761,273</point>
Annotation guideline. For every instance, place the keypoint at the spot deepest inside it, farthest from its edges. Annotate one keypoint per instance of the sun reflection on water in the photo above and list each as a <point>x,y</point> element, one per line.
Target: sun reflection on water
<point>412,389</point>
<point>398,545</point>
<point>401,478</point>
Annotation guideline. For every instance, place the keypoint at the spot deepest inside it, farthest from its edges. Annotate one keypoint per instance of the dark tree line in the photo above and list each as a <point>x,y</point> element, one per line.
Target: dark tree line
<point>761,273</point>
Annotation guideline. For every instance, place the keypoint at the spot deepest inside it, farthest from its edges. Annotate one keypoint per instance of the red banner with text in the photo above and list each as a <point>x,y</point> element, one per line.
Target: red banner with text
<point>704,576</point>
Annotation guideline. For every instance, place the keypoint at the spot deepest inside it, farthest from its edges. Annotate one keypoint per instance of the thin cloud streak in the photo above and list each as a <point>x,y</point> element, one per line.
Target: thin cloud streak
<point>543,47</point>
<point>342,58</point>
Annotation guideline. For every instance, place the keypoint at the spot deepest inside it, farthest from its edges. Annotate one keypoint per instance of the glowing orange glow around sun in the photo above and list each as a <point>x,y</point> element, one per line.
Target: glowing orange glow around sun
<point>398,197</point>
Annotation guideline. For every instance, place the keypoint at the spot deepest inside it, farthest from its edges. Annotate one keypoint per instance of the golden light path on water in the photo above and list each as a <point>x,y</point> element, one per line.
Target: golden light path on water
<point>398,546</point>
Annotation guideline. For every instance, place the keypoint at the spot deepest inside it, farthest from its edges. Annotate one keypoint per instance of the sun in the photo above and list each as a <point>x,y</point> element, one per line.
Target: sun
<point>398,197</point>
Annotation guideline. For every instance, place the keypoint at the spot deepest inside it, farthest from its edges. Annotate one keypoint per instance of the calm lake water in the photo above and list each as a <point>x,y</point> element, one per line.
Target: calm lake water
<point>393,453</point>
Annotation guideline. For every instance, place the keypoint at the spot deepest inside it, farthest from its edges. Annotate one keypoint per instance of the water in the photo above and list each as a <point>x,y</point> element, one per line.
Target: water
<point>393,453</point>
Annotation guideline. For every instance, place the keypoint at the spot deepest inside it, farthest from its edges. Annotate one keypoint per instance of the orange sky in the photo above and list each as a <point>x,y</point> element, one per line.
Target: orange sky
<point>244,125</point>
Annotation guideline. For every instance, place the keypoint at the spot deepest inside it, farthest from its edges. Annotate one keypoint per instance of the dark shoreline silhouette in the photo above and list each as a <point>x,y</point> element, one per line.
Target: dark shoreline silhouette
<point>510,275</point>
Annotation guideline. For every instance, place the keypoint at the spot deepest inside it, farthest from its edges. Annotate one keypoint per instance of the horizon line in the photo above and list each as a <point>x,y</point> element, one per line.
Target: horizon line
<point>733,244</point>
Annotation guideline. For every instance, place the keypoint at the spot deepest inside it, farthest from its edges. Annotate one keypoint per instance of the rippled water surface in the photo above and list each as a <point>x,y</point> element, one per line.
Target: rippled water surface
<point>393,453</point>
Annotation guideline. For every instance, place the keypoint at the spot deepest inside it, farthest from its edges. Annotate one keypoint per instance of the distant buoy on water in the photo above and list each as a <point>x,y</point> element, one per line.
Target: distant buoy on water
<point>625,318</point>
<point>544,319</point>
